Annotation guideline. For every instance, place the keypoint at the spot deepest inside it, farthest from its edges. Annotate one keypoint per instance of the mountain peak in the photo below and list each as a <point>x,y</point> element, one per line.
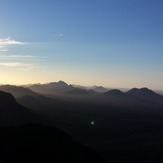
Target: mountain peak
<point>141,91</point>
<point>62,82</point>
<point>145,93</point>
<point>145,89</point>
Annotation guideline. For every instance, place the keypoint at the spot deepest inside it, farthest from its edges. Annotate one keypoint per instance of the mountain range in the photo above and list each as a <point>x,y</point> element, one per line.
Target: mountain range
<point>63,89</point>
<point>113,122</point>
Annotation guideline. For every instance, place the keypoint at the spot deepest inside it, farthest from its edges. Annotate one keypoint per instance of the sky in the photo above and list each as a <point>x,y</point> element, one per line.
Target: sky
<point>114,43</point>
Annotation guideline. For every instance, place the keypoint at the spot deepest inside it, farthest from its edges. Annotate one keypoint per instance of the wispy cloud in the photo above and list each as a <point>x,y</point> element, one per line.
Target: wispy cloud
<point>30,58</point>
<point>9,41</point>
<point>58,36</point>
<point>2,49</point>
<point>14,64</point>
<point>16,56</point>
<point>20,65</point>
<point>6,42</point>
<point>61,35</point>
<point>18,62</point>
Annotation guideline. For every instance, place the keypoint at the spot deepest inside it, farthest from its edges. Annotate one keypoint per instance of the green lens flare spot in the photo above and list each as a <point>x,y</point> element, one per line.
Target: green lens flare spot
<point>92,122</point>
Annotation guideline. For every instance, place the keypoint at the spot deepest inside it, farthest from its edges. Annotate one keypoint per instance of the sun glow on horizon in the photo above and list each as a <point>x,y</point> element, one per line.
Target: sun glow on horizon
<point>119,46</point>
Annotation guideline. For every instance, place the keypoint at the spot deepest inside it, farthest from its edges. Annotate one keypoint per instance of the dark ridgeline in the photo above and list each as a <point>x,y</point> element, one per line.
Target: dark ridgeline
<point>17,91</point>
<point>127,126</point>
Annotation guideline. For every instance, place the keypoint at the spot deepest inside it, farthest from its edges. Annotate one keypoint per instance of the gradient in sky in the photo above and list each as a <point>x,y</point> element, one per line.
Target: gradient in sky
<point>114,43</point>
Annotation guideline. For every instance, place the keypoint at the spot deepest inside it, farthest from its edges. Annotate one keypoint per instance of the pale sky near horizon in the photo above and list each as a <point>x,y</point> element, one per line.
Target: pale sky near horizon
<point>114,43</point>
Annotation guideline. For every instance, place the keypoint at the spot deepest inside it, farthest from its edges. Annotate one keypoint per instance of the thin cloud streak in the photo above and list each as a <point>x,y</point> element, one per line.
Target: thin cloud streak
<point>9,41</point>
<point>3,50</point>
<point>31,58</point>
<point>61,35</point>
<point>20,65</point>
<point>18,62</point>
<point>17,56</point>
<point>5,42</point>
<point>15,64</point>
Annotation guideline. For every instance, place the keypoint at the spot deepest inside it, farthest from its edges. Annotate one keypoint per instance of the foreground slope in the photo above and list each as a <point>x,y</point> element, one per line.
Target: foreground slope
<point>38,143</point>
<point>24,142</point>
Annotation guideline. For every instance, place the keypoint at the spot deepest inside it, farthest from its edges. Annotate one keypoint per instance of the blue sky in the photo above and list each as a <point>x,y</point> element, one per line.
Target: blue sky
<point>115,43</point>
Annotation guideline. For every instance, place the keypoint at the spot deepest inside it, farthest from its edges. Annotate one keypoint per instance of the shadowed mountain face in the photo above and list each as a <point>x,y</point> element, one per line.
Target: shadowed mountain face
<point>17,91</point>
<point>12,113</point>
<point>37,143</point>
<point>6,99</point>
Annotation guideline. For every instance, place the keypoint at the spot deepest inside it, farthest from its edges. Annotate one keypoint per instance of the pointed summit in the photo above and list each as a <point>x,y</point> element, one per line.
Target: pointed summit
<point>62,82</point>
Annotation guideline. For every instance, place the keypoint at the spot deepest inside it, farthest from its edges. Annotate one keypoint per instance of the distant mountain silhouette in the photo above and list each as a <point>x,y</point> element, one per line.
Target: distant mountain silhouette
<point>114,92</point>
<point>51,88</point>
<point>135,96</point>
<point>37,143</point>
<point>99,89</point>
<point>17,91</point>
<point>145,94</point>
<point>142,92</point>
